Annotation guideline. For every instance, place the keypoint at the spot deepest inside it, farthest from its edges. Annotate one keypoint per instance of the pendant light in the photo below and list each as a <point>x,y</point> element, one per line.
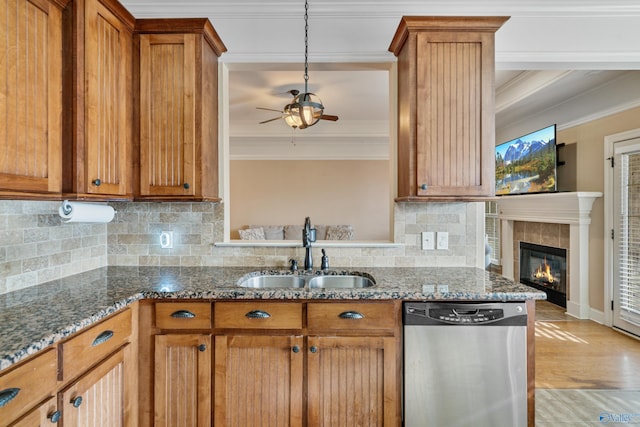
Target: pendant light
<point>306,108</point>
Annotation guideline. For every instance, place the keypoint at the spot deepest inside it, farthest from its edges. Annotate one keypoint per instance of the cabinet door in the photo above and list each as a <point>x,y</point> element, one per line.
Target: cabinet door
<point>108,120</point>
<point>258,380</point>
<point>455,131</point>
<point>45,415</point>
<point>30,97</point>
<point>182,380</point>
<point>100,397</point>
<point>168,115</point>
<point>352,381</point>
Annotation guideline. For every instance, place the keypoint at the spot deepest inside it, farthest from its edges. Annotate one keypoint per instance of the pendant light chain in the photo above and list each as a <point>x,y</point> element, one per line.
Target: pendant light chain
<point>306,45</point>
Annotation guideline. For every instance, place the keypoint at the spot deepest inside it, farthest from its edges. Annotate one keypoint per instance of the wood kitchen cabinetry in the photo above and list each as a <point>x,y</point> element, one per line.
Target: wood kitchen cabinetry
<point>31,98</point>
<point>340,369</point>
<point>176,132</point>
<point>98,100</point>
<point>182,365</point>
<point>258,364</point>
<point>446,130</point>
<point>87,379</point>
<point>353,374</point>
<point>99,365</point>
<point>22,388</point>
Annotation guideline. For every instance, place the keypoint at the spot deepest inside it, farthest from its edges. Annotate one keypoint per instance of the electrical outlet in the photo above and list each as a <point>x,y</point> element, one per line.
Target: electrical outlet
<point>442,240</point>
<point>428,240</point>
<point>166,240</point>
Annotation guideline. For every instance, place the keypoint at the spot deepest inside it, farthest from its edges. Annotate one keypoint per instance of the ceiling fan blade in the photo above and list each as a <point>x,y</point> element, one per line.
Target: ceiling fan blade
<point>269,109</point>
<point>271,120</point>
<point>329,117</point>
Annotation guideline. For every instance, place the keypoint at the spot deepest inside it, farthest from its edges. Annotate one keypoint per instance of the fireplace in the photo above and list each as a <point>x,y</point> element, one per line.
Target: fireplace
<point>545,268</point>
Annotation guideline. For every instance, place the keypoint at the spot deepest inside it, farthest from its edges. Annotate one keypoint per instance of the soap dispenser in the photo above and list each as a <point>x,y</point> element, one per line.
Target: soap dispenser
<point>324,263</point>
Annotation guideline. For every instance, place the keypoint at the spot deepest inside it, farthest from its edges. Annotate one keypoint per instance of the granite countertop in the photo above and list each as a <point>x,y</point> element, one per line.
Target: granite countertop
<point>39,316</point>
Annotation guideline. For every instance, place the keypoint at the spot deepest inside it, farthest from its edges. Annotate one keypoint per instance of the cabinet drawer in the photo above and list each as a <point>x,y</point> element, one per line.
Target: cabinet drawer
<point>183,315</point>
<point>92,345</point>
<point>257,315</point>
<point>347,316</point>
<point>22,387</point>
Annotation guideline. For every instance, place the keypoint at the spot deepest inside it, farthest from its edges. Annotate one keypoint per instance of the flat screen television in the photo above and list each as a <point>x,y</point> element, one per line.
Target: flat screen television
<point>527,164</point>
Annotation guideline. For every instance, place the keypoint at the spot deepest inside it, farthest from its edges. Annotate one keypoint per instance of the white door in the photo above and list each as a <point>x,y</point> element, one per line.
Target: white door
<point>626,236</point>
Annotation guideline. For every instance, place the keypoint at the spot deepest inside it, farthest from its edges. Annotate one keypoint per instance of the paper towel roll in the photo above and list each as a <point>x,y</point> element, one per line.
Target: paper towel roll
<point>85,212</point>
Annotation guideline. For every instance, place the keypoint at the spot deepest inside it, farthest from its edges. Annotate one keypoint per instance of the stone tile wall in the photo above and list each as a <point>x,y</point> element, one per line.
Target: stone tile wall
<point>36,246</point>
<point>134,238</point>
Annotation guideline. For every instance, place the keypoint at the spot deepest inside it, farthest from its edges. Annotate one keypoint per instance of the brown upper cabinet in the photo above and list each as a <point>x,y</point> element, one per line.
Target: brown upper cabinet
<point>98,100</point>
<point>31,98</point>
<point>176,132</point>
<point>446,125</point>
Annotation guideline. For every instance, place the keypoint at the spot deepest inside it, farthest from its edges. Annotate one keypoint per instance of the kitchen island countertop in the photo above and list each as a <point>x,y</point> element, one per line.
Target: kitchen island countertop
<point>36,317</point>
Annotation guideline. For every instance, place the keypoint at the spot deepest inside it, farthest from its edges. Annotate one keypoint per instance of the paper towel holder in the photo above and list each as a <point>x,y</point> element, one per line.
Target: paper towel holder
<point>66,207</point>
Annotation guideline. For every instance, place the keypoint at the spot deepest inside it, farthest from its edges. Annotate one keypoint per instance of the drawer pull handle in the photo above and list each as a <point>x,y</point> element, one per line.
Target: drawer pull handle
<point>102,338</point>
<point>258,314</point>
<point>313,349</point>
<point>55,417</point>
<point>96,182</point>
<point>351,315</point>
<point>76,401</point>
<point>296,349</point>
<point>7,395</point>
<point>183,314</point>
<point>202,347</point>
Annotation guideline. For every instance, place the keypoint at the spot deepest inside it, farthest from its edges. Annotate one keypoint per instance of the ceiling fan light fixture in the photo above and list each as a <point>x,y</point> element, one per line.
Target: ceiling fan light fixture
<point>305,110</point>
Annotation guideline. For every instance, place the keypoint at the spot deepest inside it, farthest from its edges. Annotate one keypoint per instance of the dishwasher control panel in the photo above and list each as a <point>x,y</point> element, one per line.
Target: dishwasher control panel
<point>464,313</point>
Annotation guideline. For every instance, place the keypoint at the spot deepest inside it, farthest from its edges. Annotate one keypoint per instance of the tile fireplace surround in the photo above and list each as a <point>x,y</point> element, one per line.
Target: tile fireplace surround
<point>572,208</point>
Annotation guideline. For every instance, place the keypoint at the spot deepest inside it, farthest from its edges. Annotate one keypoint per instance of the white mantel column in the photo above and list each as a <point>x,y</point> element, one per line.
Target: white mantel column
<point>557,208</point>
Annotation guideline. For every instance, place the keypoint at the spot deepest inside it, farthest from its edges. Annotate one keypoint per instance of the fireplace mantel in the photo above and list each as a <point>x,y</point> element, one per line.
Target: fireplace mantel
<point>573,208</point>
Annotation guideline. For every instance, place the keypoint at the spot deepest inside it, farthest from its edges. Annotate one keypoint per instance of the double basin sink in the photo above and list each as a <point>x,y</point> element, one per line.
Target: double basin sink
<point>337,281</point>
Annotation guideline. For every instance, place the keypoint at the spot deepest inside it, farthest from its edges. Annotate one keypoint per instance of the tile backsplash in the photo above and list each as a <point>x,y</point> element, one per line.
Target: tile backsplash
<point>35,246</point>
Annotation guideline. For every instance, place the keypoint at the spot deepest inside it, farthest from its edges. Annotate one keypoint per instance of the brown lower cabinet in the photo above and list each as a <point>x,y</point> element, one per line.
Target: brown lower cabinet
<point>274,363</point>
<point>182,380</point>
<point>100,397</point>
<point>88,379</point>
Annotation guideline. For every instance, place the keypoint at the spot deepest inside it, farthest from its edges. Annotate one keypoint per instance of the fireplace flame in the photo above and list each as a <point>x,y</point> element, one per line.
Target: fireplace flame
<point>544,272</point>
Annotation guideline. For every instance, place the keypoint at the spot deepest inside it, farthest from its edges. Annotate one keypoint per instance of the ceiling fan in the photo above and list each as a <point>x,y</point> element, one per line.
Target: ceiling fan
<point>306,109</point>
<point>290,112</point>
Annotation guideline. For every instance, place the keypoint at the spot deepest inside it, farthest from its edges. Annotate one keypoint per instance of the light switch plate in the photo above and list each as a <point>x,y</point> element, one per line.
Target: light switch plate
<point>166,240</point>
<point>428,241</point>
<point>442,240</point>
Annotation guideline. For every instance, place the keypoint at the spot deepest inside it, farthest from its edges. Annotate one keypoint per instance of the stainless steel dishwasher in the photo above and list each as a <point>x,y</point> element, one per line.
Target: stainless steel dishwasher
<point>465,364</point>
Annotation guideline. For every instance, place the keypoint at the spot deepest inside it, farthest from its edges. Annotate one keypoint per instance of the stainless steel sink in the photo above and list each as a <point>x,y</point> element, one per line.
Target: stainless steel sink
<point>273,281</point>
<point>341,282</point>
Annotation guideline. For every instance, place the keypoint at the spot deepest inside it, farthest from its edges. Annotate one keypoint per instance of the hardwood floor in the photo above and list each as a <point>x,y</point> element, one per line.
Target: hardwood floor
<point>581,354</point>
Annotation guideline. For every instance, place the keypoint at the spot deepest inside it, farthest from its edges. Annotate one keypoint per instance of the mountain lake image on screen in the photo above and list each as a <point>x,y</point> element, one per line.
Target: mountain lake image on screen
<point>527,164</point>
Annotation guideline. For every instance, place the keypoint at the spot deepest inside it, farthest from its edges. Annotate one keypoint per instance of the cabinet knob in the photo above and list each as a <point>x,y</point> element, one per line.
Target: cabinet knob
<point>186,185</point>
<point>424,186</point>
<point>296,349</point>
<point>76,401</point>
<point>202,347</point>
<point>54,417</point>
<point>96,182</point>
<point>313,349</point>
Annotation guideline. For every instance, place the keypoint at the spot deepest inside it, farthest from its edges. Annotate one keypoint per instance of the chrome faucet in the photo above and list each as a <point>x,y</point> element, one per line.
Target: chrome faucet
<point>308,237</point>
